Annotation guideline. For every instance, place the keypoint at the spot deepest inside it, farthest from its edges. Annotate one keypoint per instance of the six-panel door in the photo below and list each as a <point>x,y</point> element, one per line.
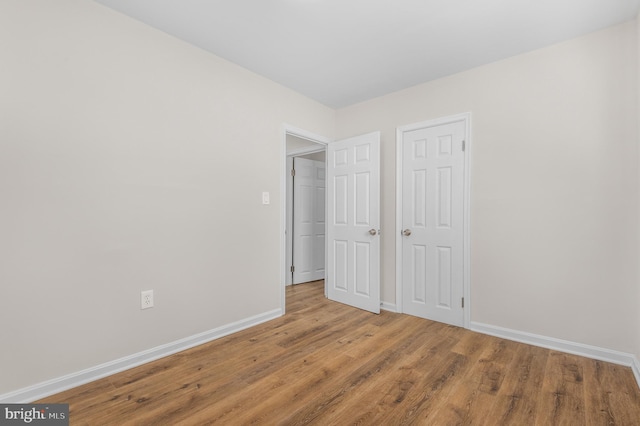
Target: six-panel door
<point>308,220</point>
<point>353,221</point>
<point>433,216</point>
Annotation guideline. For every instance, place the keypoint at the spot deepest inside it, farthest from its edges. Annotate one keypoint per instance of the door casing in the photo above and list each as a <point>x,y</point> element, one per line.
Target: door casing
<point>466,118</point>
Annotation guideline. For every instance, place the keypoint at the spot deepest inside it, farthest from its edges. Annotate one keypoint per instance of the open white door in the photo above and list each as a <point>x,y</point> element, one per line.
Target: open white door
<point>308,220</point>
<point>353,222</point>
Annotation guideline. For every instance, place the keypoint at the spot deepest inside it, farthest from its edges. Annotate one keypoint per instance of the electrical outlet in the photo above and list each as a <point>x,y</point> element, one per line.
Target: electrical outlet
<point>146,299</point>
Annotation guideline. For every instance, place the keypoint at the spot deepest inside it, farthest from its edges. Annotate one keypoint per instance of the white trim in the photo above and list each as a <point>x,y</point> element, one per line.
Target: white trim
<point>289,222</point>
<point>288,129</point>
<point>635,367</point>
<point>60,384</point>
<point>466,291</point>
<point>303,134</point>
<point>552,343</point>
<point>467,223</point>
<point>399,298</point>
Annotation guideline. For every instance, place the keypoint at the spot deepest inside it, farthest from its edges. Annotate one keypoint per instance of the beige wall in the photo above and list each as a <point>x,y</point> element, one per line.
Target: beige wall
<point>130,161</point>
<point>554,197</point>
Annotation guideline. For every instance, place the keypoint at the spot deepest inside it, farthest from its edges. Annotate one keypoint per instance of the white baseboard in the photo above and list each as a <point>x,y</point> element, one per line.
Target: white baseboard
<point>635,367</point>
<point>60,384</point>
<point>574,348</point>
<point>391,307</point>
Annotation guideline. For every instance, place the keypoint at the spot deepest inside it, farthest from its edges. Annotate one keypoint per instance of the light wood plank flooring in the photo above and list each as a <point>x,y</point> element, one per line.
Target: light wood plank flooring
<point>326,363</point>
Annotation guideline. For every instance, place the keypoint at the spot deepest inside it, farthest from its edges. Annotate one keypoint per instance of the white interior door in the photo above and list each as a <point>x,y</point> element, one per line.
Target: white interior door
<point>309,184</point>
<point>433,222</point>
<point>353,221</point>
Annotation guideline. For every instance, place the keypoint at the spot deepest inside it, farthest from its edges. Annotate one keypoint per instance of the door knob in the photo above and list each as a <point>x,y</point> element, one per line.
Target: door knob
<point>373,231</point>
<point>406,232</point>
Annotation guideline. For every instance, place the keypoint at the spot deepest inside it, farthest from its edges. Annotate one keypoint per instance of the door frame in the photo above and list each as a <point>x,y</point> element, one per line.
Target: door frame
<point>466,291</point>
<point>285,177</point>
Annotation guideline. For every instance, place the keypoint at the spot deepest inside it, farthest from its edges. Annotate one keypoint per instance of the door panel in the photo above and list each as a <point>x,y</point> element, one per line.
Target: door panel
<point>433,211</point>
<point>353,222</point>
<point>419,278</point>
<point>340,269</point>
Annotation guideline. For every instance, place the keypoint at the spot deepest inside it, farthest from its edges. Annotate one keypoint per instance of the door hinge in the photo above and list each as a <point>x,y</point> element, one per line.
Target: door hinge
<point>293,268</point>
<point>464,145</point>
<point>463,302</point>
<point>293,172</point>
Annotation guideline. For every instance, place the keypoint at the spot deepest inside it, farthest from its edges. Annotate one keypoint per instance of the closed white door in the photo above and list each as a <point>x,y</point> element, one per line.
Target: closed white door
<point>309,184</point>
<point>353,222</point>
<point>433,222</point>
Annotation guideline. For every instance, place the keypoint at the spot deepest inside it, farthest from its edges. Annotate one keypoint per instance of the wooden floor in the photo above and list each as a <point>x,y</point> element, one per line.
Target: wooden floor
<point>329,364</point>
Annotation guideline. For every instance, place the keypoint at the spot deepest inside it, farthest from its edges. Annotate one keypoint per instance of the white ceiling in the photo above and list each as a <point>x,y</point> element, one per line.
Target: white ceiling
<point>341,52</point>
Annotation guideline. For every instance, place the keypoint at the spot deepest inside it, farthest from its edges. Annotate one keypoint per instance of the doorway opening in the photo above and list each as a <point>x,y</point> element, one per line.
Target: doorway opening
<point>306,225</point>
<point>303,208</point>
